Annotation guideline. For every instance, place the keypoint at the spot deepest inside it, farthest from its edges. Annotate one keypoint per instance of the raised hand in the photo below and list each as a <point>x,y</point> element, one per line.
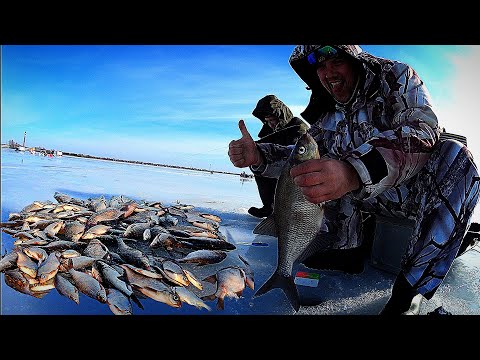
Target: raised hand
<point>243,152</point>
<point>325,179</point>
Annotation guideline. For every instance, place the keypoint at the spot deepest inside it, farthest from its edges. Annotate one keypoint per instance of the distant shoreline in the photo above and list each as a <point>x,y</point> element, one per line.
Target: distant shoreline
<point>148,163</point>
<point>65,153</point>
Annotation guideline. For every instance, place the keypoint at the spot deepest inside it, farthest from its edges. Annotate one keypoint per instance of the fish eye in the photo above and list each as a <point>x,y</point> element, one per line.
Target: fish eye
<point>302,150</point>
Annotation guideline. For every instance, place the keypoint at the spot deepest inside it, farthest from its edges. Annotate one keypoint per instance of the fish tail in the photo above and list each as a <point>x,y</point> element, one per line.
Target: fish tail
<point>286,284</point>
<point>135,299</point>
<point>266,227</point>
<point>221,303</point>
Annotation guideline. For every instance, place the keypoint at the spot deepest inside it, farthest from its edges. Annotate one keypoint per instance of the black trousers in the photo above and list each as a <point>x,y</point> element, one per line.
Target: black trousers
<point>266,189</point>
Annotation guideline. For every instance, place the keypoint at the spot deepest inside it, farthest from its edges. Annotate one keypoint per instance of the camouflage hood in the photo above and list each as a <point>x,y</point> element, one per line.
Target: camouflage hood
<point>320,99</point>
<point>271,105</point>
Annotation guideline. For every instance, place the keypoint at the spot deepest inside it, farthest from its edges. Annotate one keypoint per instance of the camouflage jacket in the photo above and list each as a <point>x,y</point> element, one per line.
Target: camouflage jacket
<point>289,127</point>
<point>387,131</point>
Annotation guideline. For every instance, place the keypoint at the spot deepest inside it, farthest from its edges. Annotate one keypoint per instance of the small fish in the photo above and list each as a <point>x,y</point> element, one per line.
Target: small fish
<point>13,216</point>
<point>128,209</point>
<point>27,265</point>
<point>97,205</point>
<point>70,253</point>
<point>25,227</point>
<point>33,242</point>
<point>168,220</point>
<point>88,285</point>
<point>136,230</point>
<point>96,249</point>
<point>17,280</point>
<point>193,280</point>
<point>160,292</point>
<point>95,231</point>
<point>165,240</point>
<point>23,235</point>
<point>204,218</point>
<point>42,287</point>
<point>151,233</point>
<point>35,206</point>
<point>74,230</point>
<point>111,278</point>
<point>184,206</point>
<point>64,198</point>
<point>196,242</point>
<point>118,302</point>
<point>42,224</point>
<point>49,268</point>
<point>142,272</point>
<point>134,256</point>
<point>230,282</point>
<point>61,245</point>
<point>77,263</point>
<point>212,217</point>
<point>9,261</point>
<point>7,227</point>
<point>176,212</point>
<point>66,288</point>
<point>190,298</point>
<point>109,214</point>
<point>34,219</point>
<point>204,225</point>
<point>174,272</point>
<point>204,257</point>
<point>53,228</point>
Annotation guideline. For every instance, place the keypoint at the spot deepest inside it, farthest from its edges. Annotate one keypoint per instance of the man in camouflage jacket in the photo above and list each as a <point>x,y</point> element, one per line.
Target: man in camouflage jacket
<point>279,127</point>
<point>379,137</point>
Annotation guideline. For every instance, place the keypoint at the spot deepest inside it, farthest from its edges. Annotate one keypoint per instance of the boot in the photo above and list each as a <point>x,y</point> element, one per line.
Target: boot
<point>260,212</point>
<point>400,301</point>
<point>266,190</point>
<point>350,261</point>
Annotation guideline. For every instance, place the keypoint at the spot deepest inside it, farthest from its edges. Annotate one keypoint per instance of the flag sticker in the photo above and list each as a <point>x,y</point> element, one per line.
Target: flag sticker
<point>306,279</point>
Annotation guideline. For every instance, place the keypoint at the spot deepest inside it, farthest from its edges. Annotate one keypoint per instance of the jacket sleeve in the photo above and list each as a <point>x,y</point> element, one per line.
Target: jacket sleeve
<point>391,157</point>
<point>275,156</point>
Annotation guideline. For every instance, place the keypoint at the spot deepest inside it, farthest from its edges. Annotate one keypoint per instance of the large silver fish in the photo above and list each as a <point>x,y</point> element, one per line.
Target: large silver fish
<point>295,222</point>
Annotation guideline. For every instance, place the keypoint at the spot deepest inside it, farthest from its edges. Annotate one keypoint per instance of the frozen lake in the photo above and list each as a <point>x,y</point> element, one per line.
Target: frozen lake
<point>26,178</point>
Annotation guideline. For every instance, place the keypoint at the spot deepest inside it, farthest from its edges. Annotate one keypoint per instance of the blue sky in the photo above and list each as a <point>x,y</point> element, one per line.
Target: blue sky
<point>180,104</point>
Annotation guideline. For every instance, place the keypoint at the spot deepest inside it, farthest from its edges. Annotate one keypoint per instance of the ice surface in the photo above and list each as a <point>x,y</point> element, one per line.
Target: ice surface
<point>26,178</point>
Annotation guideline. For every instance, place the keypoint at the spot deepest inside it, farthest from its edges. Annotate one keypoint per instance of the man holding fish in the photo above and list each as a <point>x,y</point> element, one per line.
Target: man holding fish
<point>381,153</point>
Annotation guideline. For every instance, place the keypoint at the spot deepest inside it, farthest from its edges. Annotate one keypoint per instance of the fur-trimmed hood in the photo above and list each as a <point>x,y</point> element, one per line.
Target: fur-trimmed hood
<point>320,99</point>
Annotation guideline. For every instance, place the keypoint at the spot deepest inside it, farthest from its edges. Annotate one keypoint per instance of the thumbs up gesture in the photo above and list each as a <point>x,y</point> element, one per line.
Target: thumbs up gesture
<point>243,152</point>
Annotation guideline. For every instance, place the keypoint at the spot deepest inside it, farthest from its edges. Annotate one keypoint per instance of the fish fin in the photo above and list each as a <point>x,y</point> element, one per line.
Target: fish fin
<point>221,303</point>
<point>211,279</point>
<point>250,282</point>
<point>266,227</point>
<point>286,284</point>
<point>205,306</point>
<point>136,301</point>
<point>208,297</point>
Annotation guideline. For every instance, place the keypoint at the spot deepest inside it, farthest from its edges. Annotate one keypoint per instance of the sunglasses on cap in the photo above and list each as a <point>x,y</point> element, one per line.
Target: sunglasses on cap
<point>320,54</point>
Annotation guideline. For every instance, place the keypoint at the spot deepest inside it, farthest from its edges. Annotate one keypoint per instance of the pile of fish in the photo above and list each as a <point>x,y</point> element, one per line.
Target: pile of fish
<point>120,251</point>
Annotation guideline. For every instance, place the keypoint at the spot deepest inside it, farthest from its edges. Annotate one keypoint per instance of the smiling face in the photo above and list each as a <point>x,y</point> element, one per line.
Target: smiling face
<point>338,77</point>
